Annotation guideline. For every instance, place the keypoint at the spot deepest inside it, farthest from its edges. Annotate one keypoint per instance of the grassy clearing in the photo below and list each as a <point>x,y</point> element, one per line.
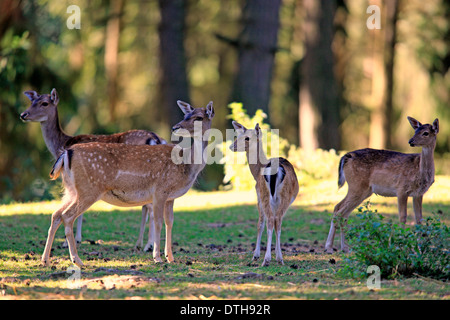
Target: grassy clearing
<point>214,235</point>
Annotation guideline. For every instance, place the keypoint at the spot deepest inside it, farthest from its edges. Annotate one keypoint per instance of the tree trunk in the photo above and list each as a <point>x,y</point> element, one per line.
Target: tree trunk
<point>389,55</point>
<point>319,105</point>
<point>256,49</point>
<point>383,51</point>
<point>112,54</point>
<point>174,84</point>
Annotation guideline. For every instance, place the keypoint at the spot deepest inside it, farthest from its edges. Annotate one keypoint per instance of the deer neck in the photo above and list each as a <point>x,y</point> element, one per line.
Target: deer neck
<point>54,136</point>
<point>426,166</point>
<point>197,161</point>
<point>256,159</point>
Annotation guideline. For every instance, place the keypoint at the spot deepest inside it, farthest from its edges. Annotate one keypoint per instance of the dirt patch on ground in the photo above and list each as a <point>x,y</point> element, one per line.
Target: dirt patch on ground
<point>115,281</point>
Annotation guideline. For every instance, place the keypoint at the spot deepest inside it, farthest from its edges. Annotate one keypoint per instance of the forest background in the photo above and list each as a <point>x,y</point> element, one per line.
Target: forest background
<point>319,70</point>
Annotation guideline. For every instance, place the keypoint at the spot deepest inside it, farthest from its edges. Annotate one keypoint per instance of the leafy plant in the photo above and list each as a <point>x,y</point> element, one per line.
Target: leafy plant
<point>236,169</point>
<point>398,250</point>
<point>309,166</point>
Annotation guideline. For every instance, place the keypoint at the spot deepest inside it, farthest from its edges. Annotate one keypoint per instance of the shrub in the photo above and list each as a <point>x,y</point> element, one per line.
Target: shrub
<point>309,166</point>
<point>396,249</point>
<point>235,166</point>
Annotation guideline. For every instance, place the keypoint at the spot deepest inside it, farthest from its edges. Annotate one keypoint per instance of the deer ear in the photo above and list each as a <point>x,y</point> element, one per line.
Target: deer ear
<point>238,127</point>
<point>32,95</point>
<point>414,123</point>
<point>436,126</point>
<point>54,97</point>
<point>185,107</point>
<point>210,110</point>
<point>258,130</point>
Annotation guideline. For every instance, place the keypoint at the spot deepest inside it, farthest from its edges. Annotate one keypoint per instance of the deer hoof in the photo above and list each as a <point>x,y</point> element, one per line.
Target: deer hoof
<point>45,263</point>
<point>265,263</point>
<point>77,261</point>
<point>158,260</point>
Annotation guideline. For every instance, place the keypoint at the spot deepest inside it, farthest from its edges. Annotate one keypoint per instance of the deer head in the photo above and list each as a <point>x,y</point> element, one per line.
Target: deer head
<point>246,138</point>
<point>43,107</point>
<point>425,134</point>
<point>186,127</point>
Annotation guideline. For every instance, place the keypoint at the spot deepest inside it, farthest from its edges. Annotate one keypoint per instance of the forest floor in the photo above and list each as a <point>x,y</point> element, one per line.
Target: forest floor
<point>214,234</point>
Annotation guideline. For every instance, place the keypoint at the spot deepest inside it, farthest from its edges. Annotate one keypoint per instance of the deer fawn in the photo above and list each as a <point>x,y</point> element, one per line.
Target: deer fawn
<point>276,187</point>
<point>386,173</point>
<point>129,175</point>
<point>44,109</point>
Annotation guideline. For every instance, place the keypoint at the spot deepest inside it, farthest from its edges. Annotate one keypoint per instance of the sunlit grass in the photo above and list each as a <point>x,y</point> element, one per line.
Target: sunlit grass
<point>323,195</point>
<point>214,235</point>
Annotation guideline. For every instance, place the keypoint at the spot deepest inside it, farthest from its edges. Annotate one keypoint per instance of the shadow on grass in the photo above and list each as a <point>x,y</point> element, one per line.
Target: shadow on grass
<point>212,249</point>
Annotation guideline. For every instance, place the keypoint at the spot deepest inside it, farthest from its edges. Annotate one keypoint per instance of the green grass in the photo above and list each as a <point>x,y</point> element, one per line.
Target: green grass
<point>214,235</point>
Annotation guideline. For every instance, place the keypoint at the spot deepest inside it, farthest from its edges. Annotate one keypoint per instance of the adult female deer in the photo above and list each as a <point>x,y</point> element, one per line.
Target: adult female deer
<point>276,187</point>
<point>386,173</point>
<point>129,175</point>
<point>44,109</point>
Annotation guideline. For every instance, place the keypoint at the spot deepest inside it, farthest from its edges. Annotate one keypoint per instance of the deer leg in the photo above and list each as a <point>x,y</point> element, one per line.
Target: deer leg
<point>337,215</point>
<point>73,211</point>
<point>261,222</point>
<point>279,255</point>
<point>341,213</point>
<point>158,211</point>
<point>68,230</point>
<point>168,219</point>
<point>417,204</point>
<point>347,210</point>
<point>402,201</point>
<point>55,223</point>
<point>331,234</point>
<point>79,227</point>
<point>78,236</point>
<point>140,241</point>
<point>151,229</point>
<point>270,225</point>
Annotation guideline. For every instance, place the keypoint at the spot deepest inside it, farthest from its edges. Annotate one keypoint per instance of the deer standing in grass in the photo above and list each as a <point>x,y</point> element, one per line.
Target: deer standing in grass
<point>276,187</point>
<point>44,110</point>
<point>130,175</point>
<point>386,173</point>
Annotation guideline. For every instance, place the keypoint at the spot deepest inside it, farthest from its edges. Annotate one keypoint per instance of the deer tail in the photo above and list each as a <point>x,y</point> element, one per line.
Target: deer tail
<point>342,162</point>
<point>62,161</point>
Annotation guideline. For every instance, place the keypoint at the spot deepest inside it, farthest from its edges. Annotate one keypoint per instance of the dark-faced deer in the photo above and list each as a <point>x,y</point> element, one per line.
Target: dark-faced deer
<point>44,109</point>
<point>129,175</point>
<point>386,173</point>
<point>276,187</point>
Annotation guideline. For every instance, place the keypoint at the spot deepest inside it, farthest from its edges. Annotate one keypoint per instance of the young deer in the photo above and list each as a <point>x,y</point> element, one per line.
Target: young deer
<point>276,187</point>
<point>386,173</point>
<point>129,175</point>
<point>44,109</point>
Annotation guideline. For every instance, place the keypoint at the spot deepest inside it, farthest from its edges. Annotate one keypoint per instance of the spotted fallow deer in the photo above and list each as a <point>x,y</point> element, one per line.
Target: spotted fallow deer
<point>44,109</point>
<point>386,173</point>
<point>130,175</point>
<point>276,187</point>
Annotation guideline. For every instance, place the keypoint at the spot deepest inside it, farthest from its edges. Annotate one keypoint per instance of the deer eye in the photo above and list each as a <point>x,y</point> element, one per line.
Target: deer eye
<point>425,133</point>
<point>44,104</point>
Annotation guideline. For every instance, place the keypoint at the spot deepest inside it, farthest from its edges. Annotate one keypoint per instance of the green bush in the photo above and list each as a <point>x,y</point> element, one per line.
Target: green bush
<point>237,173</point>
<point>309,166</point>
<point>398,250</point>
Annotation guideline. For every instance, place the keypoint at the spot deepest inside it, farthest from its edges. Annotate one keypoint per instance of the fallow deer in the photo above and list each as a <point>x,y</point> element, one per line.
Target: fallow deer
<point>129,175</point>
<point>276,187</point>
<point>44,109</point>
<point>386,173</point>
